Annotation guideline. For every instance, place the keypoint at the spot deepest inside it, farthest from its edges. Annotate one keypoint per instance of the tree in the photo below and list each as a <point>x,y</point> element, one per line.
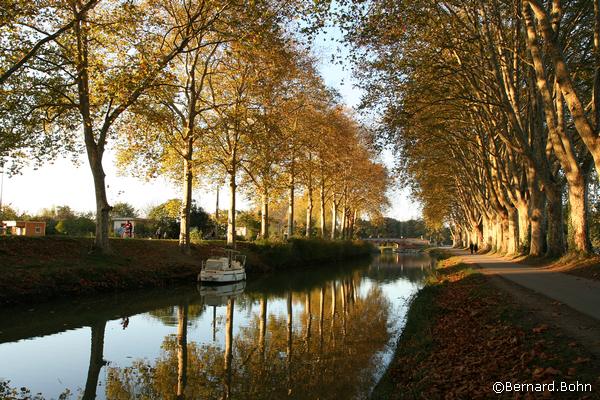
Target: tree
<point>238,78</point>
<point>476,112</point>
<point>101,66</point>
<point>166,216</point>
<point>172,121</point>
<point>123,210</point>
<point>76,226</point>
<point>8,213</point>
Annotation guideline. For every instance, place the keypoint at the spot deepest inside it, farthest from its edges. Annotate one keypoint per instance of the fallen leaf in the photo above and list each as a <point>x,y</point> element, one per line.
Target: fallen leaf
<point>581,360</point>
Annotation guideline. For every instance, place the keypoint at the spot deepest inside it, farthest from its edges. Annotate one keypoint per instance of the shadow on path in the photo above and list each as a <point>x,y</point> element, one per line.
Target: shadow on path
<point>578,293</point>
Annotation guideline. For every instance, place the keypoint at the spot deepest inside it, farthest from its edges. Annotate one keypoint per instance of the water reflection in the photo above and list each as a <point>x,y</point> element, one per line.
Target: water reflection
<point>96,360</point>
<point>282,336</point>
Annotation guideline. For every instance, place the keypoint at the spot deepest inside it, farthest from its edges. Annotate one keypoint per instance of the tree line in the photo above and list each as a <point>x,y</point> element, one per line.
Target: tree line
<point>160,220</point>
<point>494,109</point>
<point>202,92</point>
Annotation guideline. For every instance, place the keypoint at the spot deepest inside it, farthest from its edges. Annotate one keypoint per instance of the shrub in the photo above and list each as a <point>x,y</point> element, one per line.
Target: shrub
<point>195,235</point>
<point>299,252</point>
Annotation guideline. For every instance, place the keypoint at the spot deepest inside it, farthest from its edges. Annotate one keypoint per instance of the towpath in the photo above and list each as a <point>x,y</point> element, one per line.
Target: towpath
<point>578,293</point>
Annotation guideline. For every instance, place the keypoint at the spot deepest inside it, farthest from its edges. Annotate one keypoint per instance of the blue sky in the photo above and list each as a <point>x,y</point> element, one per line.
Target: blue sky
<point>63,183</point>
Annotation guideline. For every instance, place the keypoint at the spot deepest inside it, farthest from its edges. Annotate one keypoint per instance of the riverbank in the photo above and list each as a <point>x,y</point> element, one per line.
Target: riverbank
<point>38,269</point>
<point>463,334</point>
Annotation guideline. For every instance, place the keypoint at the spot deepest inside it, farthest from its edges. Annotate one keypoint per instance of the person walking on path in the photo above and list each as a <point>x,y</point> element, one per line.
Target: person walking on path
<point>471,247</point>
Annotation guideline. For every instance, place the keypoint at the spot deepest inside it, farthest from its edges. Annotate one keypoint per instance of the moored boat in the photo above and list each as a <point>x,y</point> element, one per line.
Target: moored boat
<point>230,267</point>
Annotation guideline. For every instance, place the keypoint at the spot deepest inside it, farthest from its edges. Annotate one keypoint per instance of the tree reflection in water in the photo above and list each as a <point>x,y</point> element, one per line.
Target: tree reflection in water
<point>96,360</point>
<point>271,356</point>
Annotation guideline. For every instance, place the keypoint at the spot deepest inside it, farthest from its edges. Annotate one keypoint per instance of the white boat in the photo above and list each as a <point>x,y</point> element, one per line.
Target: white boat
<point>230,267</point>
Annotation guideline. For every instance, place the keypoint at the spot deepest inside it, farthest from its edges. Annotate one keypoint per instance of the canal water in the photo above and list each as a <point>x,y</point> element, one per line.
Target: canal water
<point>319,333</point>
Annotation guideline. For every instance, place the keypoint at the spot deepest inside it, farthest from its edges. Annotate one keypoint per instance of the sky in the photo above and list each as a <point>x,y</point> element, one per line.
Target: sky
<point>63,183</point>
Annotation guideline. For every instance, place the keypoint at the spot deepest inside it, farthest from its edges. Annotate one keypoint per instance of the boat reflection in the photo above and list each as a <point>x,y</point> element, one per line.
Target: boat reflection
<point>217,295</point>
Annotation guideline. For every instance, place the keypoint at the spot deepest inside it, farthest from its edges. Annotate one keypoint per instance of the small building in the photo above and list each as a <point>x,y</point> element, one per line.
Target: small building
<point>118,225</point>
<point>24,228</point>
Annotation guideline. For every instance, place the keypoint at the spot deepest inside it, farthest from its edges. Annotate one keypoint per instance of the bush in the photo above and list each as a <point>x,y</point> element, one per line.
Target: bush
<point>143,230</point>
<point>298,252</point>
<point>80,226</point>
<point>195,235</point>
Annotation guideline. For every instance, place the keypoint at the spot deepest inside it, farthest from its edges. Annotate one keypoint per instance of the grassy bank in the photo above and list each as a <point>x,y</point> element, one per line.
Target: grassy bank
<point>585,266</point>
<point>462,335</point>
<point>37,269</point>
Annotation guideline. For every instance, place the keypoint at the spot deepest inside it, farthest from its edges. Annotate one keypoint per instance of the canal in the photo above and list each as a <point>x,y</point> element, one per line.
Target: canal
<point>318,333</point>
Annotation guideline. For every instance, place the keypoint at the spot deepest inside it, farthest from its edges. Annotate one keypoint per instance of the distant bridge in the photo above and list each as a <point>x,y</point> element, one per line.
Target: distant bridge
<point>399,243</point>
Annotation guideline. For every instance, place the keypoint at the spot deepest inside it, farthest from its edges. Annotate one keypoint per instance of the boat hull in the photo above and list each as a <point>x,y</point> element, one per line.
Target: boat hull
<point>207,276</point>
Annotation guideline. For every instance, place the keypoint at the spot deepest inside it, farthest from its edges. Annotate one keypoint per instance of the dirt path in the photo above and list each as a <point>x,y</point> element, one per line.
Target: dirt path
<point>568,302</point>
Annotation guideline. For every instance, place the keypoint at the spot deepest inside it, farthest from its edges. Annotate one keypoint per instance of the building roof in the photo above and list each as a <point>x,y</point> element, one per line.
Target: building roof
<point>21,223</point>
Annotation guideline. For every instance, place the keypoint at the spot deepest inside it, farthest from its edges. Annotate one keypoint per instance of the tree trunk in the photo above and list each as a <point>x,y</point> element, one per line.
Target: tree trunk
<point>182,351</point>
<point>217,209</point>
<point>333,219</point>
<point>186,204</point>
<point>262,332</point>
<point>264,215</point>
<point>556,242</point>
<point>309,209</point>
<point>538,234</point>
<point>290,228</point>
<point>478,236</point>
<point>467,235</point>
<point>578,219</point>
<point>499,232</point>
<point>537,204</point>
<point>321,318</point>
<point>512,246</point>
<point>505,233</point>
<point>96,360</point>
<point>524,226</point>
<point>487,233</point>
<point>101,243</point>
<point>228,348</point>
<point>322,202</point>
<point>231,214</point>
<point>454,235</point>
<point>95,150</point>
<point>344,222</point>
<point>290,336</point>
<point>308,310</point>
